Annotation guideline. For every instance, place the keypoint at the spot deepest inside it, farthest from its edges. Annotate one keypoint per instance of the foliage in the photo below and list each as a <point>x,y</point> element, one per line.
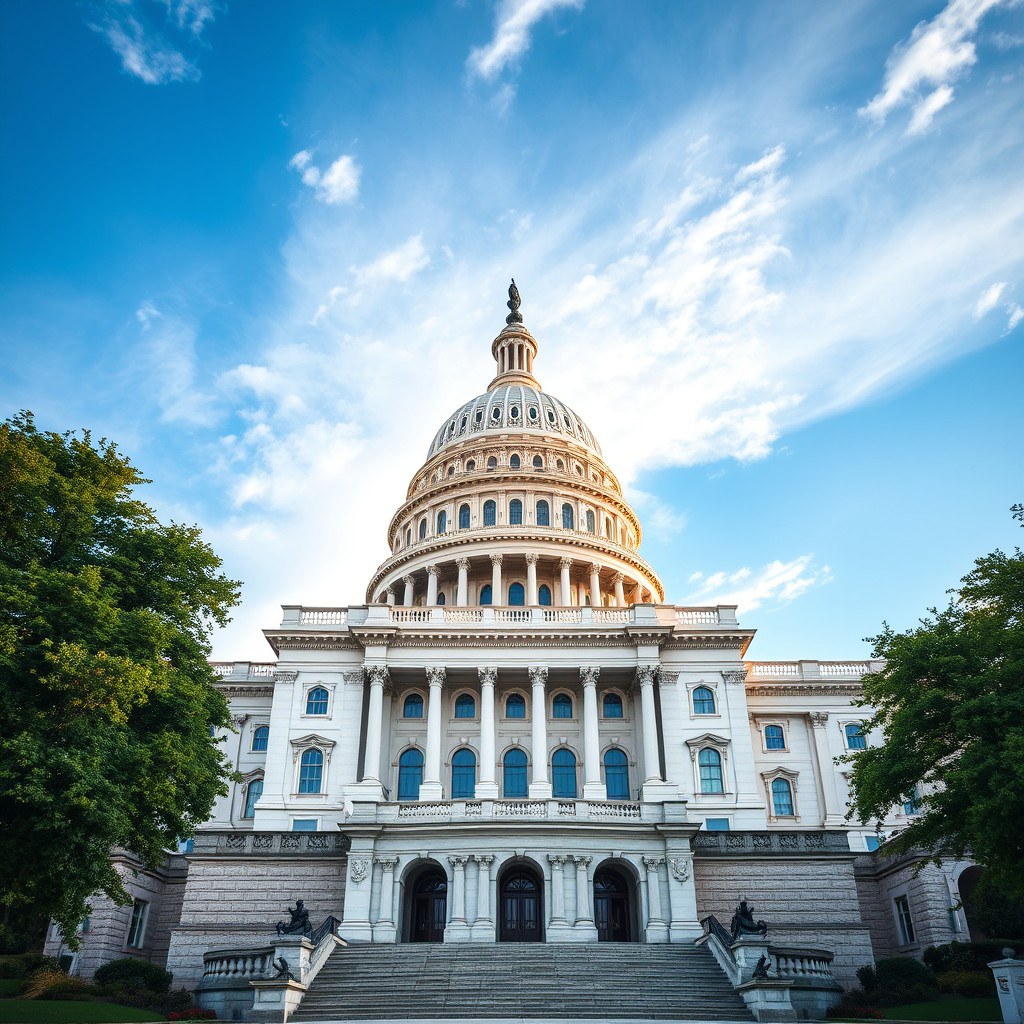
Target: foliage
<point>133,972</point>
<point>993,913</point>
<point>21,965</point>
<point>50,983</point>
<point>106,697</point>
<point>950,704</point>
<point>972,984</point>
<point>894,972</point>
<point>963,956</point>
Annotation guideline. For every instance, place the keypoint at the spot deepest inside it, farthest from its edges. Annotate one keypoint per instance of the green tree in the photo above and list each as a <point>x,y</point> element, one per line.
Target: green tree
<point>950,704</point>
<point>107,706</point>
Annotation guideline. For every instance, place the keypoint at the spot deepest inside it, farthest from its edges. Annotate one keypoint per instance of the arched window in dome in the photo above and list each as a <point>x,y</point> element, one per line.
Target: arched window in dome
<point>560,465</point>
<point>544,596</point>
<point>442,521</point>
<point>538,462</point>
<point>516,595</point>
<point>423,528</point>
<point>608,531</point>
<point>533,412</point>
<point>543,513</point>
<point>551,415</point>
<point>567,517</point>
<point>410,774</point>
<point>514,764</point>
<point>514,412</point>
<point>485,594</point>
<point>413,706</point>
<point>514,462</point>
<point>492,462</point>
<point>471,465</point>
<point>496,414</point>
<point>462,425</point>
<point>515,706</point>
<point>591,523</point>
<point>616,774</point>
<point>490,513</point>
<point>408,536</point>
<point>440,598</point>
<point>451,471</point>
<point>479,415</point>
<point>611,706</point>
<point>515,512</point>
<point>563,774</point>
<point>463,517</point>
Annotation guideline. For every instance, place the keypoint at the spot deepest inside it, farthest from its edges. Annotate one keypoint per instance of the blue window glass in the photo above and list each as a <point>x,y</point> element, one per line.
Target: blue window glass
<point>538,462</point>
<point>716,824</point>
<point>463,774</point>
<point>616,774</point>
<point>514,462</point>
<point>515,512</point>
<point>485,594</point>
<point>567,517</point>
<point>561,706</point>
<point>516,595</point>
<point>591,522</point>
<point>410,773</point>
<point>515,773</point>
<point>260,737</point>
<point>442,521</point>
<point>774,738</point>
<point>465,706</point>
<point>490,513</point>
<point>703,701</point>
<point>543,513</point>
<point>911,803</point>
<point>316,701</point>
<point>252,793</point>
<point>311,771</point>
<point>612,705</point>
<point>304,825</point>
<point>782,798</point>
<point>563,773</point>
<point>413,706</point>
<point>515,706</point>
<point>710,763</point>
<point>423,528</point>
<point>872,843</point>
<point>855,738</point>
<point>463,517</point>
<point>440,598</point>
<point>544,596</point>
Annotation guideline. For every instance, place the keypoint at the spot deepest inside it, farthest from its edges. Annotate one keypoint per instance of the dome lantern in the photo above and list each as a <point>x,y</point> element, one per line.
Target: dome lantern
<point>515,348</point>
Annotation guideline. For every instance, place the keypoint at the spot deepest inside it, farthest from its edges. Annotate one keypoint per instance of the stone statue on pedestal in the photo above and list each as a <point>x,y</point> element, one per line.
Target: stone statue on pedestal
<point>299,923</point>
<point>743,922</point>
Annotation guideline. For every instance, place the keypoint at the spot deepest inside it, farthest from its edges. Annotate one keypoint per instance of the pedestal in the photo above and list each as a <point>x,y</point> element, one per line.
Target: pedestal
<point>657,792</point>
<point>1009,975</point>
<point>431,791</point>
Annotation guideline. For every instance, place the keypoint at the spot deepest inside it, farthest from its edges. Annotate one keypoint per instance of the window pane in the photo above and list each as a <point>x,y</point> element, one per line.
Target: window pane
<point>906,922</point>
<point>590,521</point>
<point>616,775</point>
<point>774,739</point>
<point>544,596</point>
<point>442,521</point>
<point>563,773</point>
<point>703,701</point>
<point>515,784</point>
<point>515,512</point>
<point>260,737</point>
<point>514,462</point>
<point>252,793</point>
<point>490,513</point>
<point>413,707</point>
<point>423,528</point>
<point>561,706</point>
<point>855,739</point>
<point>465,706</point>
<point>782,797</point>
<point>716,824</point>
<point>515,707</point>
<point>304,825</point>
<point>463,517</point>
<point>710,764</point>
<point>612,705</point>
<point>485,594</point>
<point>463,775</point>
<point>410,775</point>
<point>517,595</point>
<point>316,701</point>
<point>872,843</point>
<point>137,931</point>
<point>543,514</point>
<point>567,517</point>
<point>311,770</point>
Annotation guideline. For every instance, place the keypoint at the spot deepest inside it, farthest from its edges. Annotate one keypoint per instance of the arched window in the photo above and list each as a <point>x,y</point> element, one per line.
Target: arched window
<point>485,594</point>
<point>260,737</point>
<point>514,462</point>
<point>608,532</point>
<point>516,595</point>
<point>782,798</point>
<point>710,763</point>
<point>463,517</point>
<point>413,706</point>
<point>410,773</point>
<point>442,521</point>
<point>563,774</point>
<point>471,465</point>
<point>492,462</point>
<point>515,512</point>
<point>855,738</point>
<point>316,701</point>
<point>408,536</point>
<point>515,706</point>
<point>423,528</point>
<point>451,471</point>
<point>560,464</point>
<point>252,793</point>
<point>616,774</point>
<point>611,706</point>
<point>514,765</point>
<point>703,701</point>
<point>440,598</point>
<point>490,513</point>
<point>463,774</point>
<point>311,771</point>
<point>543,513</point>
<point>561,706</point>
<point>544,596</point>
<point>774,738</point>
<point>465,706</point>
<point>538,462</point>
<point>567,517</point>
<point>591,523</point>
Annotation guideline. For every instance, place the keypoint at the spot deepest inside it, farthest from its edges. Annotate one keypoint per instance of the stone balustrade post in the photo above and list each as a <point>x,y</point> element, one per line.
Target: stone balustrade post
<point>592,788</point>
<point>531,579</point>
<point>540,787</point>
<point>462,591</point>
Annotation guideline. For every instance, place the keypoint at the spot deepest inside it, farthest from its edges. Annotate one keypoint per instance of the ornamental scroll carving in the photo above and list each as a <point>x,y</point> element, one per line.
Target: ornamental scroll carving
<point>735,677</point>
<point>359,870</point>
<point>435,676</point>
<point>487,675</point>
<point>645,675</point>
<point>538,675</point>
<point>589,676</point>
<point>819,719</point>
<point>282,676</point>
<point>680,868</point>
<point>378,676</point>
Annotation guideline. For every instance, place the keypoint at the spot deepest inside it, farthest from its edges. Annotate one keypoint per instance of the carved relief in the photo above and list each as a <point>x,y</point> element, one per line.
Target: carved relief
<point>735,677</point>
<point>819,719</point>
<point>435,676</point>
<point>487,675</point>
<point>538,675</point>
<point>359,870</point>
<point>589,676</point>
<point>680,868</point>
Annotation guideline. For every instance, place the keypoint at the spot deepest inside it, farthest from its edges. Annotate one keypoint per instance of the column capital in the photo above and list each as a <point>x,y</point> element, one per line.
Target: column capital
<point>462,563</point>
<point>653,863</point>
<point>458,863</point>
<point>589,675</point>
<point>389,595</point>
<point>581,862</point>
<point>408,580</point>
<point>595,567</point>
<point>378,675</point>
<point>558,859</point>
<point>496,559</point>
<point>645,675</point>
<point>487,675</point>
<point>617,577</point>
<point>538,675</point>
<point>532,558</point>
<point>484,859</point>
<point>565,563</point>
<point>735,677</point>
<point>819,719</point>
<point>433,570</point>
<point>435,676</point>
<point>387,863</point>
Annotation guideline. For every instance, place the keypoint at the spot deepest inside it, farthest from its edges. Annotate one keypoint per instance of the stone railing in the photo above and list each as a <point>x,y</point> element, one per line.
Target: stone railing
<point>814,964</point>
<point>270,844</point>
<point>323,616</point>
<point>475,810</point>
<point>805,671</point>
<point>769,843</point>
<point>242,964</point>
<point>244,671</point>
<point>697,616</point>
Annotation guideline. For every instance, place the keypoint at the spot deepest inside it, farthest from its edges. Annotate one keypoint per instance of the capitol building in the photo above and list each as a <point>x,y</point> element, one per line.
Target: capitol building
<point>514,737</point>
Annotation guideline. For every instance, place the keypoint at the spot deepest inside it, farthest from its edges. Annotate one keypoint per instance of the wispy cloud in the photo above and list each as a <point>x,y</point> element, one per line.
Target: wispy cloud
<point>775,583</point>
<point>337,185</point>
<point>988,299</point>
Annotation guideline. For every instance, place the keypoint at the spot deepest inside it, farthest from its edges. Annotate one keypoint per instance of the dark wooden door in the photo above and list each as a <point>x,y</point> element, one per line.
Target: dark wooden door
<point>429,908</point>
<point>520,908</point>
<point>611,907</point>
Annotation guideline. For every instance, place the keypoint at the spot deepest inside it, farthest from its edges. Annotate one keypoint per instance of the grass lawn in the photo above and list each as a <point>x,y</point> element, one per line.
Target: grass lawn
<point>9,987</point>
<point>952,1008</point>
<point>52,1011</point>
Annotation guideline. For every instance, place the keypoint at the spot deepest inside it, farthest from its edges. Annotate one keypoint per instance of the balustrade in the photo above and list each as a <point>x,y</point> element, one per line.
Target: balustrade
<point>238,963</point>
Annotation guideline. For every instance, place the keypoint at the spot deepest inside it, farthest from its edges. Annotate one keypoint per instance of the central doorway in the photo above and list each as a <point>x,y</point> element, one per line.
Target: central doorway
<point>429,907</point>
<point>521,906</point>
<point>611,907</point>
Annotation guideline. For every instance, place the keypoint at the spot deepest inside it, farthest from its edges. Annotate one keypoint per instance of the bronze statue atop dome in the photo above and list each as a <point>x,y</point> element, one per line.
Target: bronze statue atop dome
<point>514,317</point>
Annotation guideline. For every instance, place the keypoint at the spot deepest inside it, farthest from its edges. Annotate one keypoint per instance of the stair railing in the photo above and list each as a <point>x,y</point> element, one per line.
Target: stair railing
<point>718,939</point>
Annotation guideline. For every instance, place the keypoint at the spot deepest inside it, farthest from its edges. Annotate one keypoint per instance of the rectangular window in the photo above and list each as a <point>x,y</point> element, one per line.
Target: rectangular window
<point>137,931</point>
<point>905,920</point>
<point>716,824</point>
<point>872,843</point>
<point>305,824</point>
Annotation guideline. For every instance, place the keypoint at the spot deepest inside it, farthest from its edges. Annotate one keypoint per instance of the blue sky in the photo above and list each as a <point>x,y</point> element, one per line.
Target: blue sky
<point>772,253</point>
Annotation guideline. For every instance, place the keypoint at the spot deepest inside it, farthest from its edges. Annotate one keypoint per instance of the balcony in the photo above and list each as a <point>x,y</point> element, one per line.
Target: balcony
<point>428,812</point>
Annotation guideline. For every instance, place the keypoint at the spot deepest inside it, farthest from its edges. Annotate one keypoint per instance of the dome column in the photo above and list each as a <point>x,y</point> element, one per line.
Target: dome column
<point>531,579</point>
<point>496,594</point>
<point>564,565</point>
<point>540,787</point>
<point>487,788</point>
<point>410,591</point>
<point>620,596</point>
<point>595,585</point>
<point>462,591</point>
<point>431,584</point>
<point>430,788</point>
<point>390,596</point>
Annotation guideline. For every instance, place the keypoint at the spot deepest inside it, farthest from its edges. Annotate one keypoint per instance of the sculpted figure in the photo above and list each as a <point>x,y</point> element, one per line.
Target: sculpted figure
<point>283,971</point>
<point>514,316</point>
<point>299,923</point>
<point>743,922</point>
<point>761,967</point>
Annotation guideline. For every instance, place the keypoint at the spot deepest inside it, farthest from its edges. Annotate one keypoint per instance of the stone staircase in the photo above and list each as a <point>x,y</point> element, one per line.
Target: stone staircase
<point>536,979</point>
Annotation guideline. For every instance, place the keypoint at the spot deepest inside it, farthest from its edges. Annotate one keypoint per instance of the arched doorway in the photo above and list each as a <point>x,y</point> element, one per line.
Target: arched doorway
<point>613,911</point>
<point>521,905</point>
<point>429,907</point>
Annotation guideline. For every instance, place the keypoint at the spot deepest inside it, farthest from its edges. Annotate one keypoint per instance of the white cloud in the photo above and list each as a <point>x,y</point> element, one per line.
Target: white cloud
<point>988,299</point>
<point>192,15</point>
<point>397,265</point>
<point>1016,315</point>
<point>301,160</point>
<point>659,518</point>
<point>514,21</point>
<point>338,184</point>
<point>937,53</point>
<point>776,583</point>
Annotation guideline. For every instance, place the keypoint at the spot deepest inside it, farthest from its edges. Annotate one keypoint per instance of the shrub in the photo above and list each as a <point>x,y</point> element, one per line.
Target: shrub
<point>50,983</point>
<point>134,976</point>
<point>964,956</point>
<point>896,972</point>
<point>972,984</point>
<point>22,965</point>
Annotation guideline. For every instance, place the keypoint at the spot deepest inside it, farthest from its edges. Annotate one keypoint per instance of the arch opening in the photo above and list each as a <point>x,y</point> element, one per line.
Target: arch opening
<point>520,904</point>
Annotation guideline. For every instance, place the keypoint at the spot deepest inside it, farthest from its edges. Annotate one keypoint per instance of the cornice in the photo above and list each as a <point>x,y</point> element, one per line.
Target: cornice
<point>449,639</point>
<point>804,690</point>
<point>310,640</point>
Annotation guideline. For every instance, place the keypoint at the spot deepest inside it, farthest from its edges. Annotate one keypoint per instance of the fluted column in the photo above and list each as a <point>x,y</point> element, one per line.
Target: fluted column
<point>557,888</point>
<point>595,585</point>
<point>652,763</point>
<point>620,594</point>
<point>462,592</point>
<point>390,596</point>
<point>431,584</point>
<point>564,565</point>
<point>531,579</point>
<point>497,597</point>
<point>488,786</point>
<point>458,889</point>
<point>540,787</point>
<point>430,788</point>
<point>483,894</point>
<point>410,590</point>
<point>826,768</point>
<point>592,788</point>
<point>378,677</point>
<point>583,904</point>
<point>387,889</point>
<point>653,864</point>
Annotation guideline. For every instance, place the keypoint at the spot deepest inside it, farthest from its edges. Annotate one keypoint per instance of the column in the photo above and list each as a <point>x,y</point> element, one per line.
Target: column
<point>620,595</point>
<point>458,930</point>
<point>595,585</point>
<point>557,889</point>
<point>431,584</point>
<point>531,580</point>
<point>410,590</point>
<point>497,597</point>
<point>540,787</point>
<point>645,679</point>
<point>390,596</point>
<point>430,787</point>
<point>583,912</point>
<point>564,565</point>
<point>826,769</point>
<point>384,929</point>
<point>462,593</point>
<point>592,788</point>
<point>657,927</point>
<point>378,676</point>
<point>487,789</point>
<point>483,926</point>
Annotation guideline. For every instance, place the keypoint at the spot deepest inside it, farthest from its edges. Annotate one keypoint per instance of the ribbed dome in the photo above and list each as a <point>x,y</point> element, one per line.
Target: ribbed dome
<point>513,407</point>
